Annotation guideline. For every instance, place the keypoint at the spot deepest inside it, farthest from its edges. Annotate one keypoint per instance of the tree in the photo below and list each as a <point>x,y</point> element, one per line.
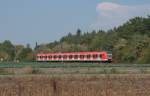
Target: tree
<point>9,48</point>
<point>78,33</point>
<point>4,56</point>
<point>26,54</point>
<point>18,50</point>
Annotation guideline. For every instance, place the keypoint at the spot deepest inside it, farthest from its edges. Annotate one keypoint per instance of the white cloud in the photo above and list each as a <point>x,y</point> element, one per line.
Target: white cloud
<point>112,14</point>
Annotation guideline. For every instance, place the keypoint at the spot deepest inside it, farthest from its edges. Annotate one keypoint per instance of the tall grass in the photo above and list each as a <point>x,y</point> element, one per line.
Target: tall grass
<point>102,85</point>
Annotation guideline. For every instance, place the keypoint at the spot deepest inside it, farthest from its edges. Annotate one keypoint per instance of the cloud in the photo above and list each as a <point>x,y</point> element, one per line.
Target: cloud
<point>112,14</point>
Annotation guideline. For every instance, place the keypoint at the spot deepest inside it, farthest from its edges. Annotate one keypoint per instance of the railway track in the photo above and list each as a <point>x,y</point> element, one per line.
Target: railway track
<point>67,65</point>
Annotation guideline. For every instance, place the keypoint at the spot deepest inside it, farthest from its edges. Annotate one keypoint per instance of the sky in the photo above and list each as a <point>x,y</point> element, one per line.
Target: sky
<point>44,21</point>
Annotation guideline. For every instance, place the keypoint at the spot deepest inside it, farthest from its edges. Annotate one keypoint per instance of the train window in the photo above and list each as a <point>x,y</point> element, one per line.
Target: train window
<point>55,57</point>
<point>95,56</point>
<point>45,57</point>
<point>88,56</point>
<point>82,56</point>
<point>109,55</point>
<point>70,56</point>
<point>49,57</point>
<point>75,56</point>
<point>65,57</point>
<point>59,56</point>
<point>100,55</point>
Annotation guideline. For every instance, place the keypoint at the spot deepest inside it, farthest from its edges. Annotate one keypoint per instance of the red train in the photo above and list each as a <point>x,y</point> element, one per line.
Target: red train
<point>75,57</point>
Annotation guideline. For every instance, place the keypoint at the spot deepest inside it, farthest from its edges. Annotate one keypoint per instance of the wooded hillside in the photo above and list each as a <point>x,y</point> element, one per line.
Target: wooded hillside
<point>129,43</point>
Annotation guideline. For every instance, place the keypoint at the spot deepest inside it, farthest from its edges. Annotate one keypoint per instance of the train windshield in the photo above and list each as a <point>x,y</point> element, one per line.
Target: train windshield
<point>109,55</point>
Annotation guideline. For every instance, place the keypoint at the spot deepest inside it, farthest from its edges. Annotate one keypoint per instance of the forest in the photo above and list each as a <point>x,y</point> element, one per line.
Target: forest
<point>129,43</point>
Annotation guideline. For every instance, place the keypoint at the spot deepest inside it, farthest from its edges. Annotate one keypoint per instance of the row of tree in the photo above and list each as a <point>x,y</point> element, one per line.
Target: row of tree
<point>10,52</point>
<point>129,43</point>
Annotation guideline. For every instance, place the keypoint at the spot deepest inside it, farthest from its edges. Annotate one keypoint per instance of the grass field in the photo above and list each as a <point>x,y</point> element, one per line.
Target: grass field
<point>66,65</point>
<point>69,85</point>
<point>10,68</point>
<point>66,79</point>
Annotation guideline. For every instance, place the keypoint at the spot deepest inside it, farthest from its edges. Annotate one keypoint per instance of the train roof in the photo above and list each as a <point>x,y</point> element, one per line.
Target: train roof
<point>68,53</point>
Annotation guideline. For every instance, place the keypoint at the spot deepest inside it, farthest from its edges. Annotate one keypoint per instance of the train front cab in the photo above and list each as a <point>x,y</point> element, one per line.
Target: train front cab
<point>109,57</point>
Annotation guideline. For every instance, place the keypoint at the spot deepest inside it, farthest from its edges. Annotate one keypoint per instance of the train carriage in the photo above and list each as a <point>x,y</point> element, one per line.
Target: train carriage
<point>75,57</point>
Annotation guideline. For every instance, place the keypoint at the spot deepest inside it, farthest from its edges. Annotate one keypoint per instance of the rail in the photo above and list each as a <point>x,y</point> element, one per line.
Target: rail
<point>65,65</point>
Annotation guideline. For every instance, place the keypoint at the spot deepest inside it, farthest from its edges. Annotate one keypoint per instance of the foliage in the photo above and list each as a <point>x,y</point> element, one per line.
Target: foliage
<point>7,50</point>
<point>129,43</point>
